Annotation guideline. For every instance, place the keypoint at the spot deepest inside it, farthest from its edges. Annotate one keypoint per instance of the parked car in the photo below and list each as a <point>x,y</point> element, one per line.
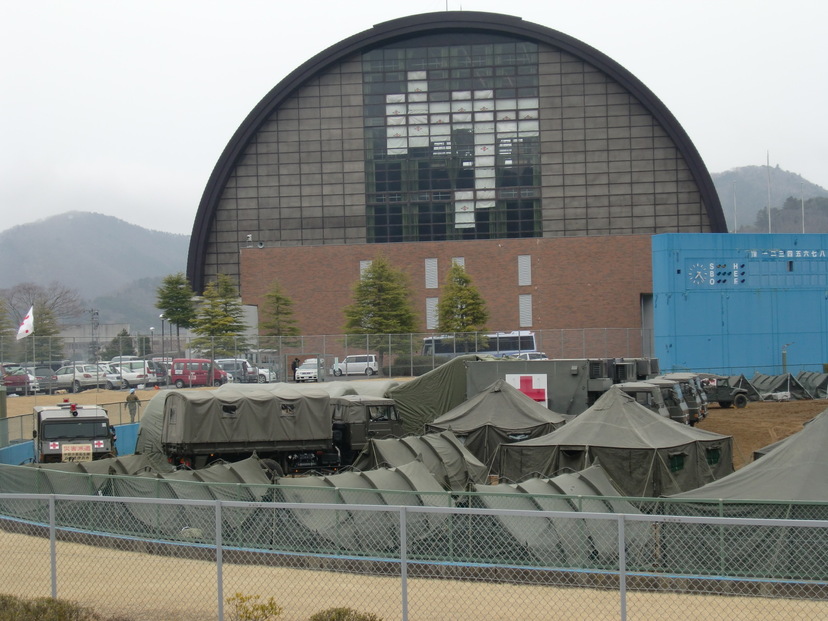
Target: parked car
<point>364,364</point>
<point>78,377</point>
<point>43,374</point>
<point>121,376</point>
<point>188,372</point>
<point>308,371</point>
<point>266,375</point>
<point>532,355</point>
<point>155,372</point>
<point>239,368</point>
<point>23,378</point>
<point>15,384</point>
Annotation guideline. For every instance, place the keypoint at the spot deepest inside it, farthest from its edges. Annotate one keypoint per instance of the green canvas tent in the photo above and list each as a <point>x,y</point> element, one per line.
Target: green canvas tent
<point>644,454</point>
<point>568,541</point>
<point>369,531</point>
<point>442,454</point>
<point>500,414</point>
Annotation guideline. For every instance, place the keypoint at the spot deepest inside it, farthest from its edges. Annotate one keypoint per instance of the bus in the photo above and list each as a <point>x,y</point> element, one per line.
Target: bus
<point>498,344</point>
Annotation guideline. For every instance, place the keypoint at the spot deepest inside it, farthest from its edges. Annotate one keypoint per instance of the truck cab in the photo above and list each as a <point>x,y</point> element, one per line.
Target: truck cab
<point>674,400</point>
<point>68,432</point>
<point>661,396</point>
<point>694,394</point>
<point>360,418</point>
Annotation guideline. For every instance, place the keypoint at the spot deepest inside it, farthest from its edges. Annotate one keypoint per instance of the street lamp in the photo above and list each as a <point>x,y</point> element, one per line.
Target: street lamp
<point>161,317</point>
<point>152,340</point>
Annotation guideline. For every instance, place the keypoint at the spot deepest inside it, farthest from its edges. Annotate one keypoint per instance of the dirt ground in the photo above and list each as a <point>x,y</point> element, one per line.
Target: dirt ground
<point>757,425</point>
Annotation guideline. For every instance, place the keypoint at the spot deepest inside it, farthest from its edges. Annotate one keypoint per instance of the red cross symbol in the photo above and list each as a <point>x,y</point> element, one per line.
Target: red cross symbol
<point>98,443</point>
<point>54,445</point>
<point>536,394</point>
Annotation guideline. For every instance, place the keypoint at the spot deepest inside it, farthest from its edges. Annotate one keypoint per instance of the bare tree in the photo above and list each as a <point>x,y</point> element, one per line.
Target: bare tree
<point>61,301</point>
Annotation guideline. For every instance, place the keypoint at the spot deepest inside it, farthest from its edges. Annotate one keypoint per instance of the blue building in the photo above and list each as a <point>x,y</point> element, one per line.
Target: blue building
<point>740,303</point>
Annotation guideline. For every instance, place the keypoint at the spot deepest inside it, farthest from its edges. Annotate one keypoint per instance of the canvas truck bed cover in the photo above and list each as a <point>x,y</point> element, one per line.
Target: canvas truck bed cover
<point>200,420</point>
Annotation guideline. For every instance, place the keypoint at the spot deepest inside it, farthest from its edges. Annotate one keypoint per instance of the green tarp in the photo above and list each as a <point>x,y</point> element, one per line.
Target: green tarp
<point>432,394</point>
<point>246,418</point>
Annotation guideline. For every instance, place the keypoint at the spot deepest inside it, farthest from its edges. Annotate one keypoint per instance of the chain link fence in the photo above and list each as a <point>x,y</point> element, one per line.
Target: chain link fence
<point>175,558</point>
<point>406,354</point>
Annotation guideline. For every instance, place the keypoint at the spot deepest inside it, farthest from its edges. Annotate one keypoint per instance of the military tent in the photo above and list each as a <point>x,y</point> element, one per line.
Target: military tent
<point>432,394</point>
<point>791,483</point>
<point>364,531</point>
<point>644,454</point>
<point>779,387</point>
<point>567,541</point>
<point>442,453</point>
<point>500,414</point>
<point>815,383</point>
<point>795,470</point>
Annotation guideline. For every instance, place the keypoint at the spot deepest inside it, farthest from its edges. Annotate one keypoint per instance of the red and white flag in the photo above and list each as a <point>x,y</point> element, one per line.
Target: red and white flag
<point>26,326</point>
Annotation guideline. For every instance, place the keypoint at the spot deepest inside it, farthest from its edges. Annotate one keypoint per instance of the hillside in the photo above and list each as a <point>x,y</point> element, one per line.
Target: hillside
<point>116,267</point>
<point>743,193</point>
<point>92,253</point>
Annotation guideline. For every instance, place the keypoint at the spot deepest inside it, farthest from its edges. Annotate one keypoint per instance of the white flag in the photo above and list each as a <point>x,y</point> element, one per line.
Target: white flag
<point>26,326</point>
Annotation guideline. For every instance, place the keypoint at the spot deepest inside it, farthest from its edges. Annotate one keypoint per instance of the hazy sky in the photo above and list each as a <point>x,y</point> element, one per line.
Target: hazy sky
<point>122,107</point>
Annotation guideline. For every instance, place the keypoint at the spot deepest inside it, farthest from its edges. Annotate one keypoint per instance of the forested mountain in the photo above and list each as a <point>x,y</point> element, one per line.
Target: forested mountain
<point>114,266</point>
<point>743,193</point>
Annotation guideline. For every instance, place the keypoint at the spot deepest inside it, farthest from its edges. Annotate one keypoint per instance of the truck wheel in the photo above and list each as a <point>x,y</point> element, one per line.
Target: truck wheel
<point>179,383</point>
<point>724,404</point>
<point>272,468</point>
<point>740,401</point>
<point>369,371</point>
<point>216,383</point>
<point>76,386</point>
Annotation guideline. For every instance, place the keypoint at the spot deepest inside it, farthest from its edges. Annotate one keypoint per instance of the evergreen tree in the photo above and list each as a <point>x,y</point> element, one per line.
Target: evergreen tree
<point>382,307</point>
<point>121,345</point>
<point>277,311</point>
<point>46,342</point>
<point>219,321</point>
<point>461,308</point>
<point>175,299</point>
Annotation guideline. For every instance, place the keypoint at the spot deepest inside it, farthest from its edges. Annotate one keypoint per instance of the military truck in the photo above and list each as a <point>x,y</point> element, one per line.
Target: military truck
<point>694,394</point>
<point>566,386</point>
<point>663,397</point>
<point>718,389</point>
<point>296,431</point>
<point>68,432</point>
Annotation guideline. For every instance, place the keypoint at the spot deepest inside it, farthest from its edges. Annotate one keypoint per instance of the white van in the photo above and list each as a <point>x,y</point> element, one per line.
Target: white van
<point>356,365</point>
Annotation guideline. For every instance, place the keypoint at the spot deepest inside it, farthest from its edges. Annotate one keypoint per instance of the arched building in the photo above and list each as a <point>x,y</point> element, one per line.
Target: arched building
<point>535,159</point>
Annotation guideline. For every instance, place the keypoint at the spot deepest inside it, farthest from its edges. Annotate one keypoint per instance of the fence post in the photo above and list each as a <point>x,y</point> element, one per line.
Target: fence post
<point>53,545</point>
<point>404,561</point>
<point>622,566</point>
<point>219,567</point>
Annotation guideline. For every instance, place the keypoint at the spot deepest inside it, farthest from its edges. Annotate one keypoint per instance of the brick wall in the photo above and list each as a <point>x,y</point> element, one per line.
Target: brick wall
<point>579,282</point>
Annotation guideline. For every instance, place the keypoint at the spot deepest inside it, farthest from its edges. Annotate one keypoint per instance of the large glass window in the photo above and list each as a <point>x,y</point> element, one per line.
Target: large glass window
<point>452,139</point>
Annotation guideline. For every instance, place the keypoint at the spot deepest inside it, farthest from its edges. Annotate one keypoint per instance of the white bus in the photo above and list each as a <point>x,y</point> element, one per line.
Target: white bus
<point>494,344</point>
